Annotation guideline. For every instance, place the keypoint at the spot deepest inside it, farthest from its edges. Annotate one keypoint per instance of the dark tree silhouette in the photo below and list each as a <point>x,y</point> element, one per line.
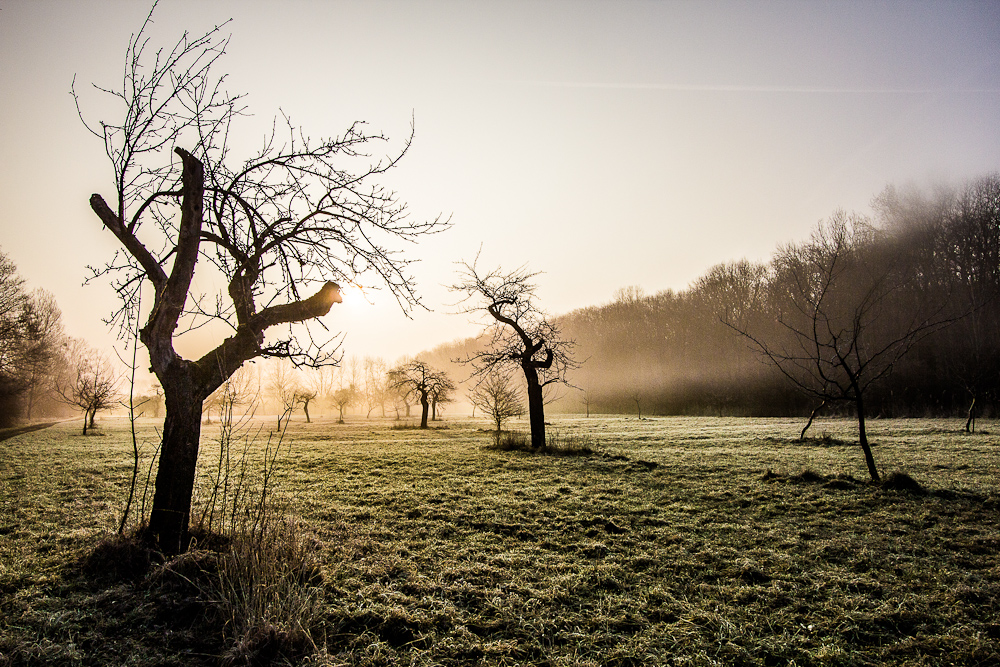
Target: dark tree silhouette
<point>88,381</point>
<point>421,381</point>
<point>297,215</point>
<point>42,337</point>
<point>519,335</point>
<point>441,395</point>
<point>342,398</point>
<point>959,233</point>
<point>31,336</point>
<point>840,334</point>
<point>304,396</point>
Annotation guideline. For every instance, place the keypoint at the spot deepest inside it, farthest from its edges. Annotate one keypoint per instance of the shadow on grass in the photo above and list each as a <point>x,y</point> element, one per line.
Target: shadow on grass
<point>559,445</point>
<point>18,430</point>
<point>120,598</point>
<point>897,482</point>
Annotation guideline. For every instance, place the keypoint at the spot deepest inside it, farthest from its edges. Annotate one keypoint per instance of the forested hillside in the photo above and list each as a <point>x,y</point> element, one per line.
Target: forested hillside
<point>902,303</point>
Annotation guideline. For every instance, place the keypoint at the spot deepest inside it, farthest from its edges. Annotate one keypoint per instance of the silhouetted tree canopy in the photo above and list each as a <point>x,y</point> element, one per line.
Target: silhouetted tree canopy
<point>277,225</point>
<point>417,380</point>
<point>31,337</point>
<point>519,335</point>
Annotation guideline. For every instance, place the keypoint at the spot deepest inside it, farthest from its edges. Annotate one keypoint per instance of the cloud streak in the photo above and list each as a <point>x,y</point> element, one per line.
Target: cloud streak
<point>732,88</point>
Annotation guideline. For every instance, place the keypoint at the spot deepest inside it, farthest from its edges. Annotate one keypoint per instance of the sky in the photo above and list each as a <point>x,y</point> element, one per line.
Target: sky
<point>603,144</point>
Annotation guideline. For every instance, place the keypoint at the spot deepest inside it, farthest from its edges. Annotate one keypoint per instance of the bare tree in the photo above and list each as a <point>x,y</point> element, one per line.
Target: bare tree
<point>304,396</point>
<point>519,335</point>
<point>31,335</point>
<point>959,232</point>
<point>441,394</point>
<point>499,400</point>
<point>315,384</point>
<point>419,380</point>
<point>343,398</point>
<point>297,215</point>
<point>42,336</point>
<point>400,398</point>
<point>284,388</point>
<point>12,302</point>
<point>375,384</point>
<point>839,335</point>
<point>89,381</point>
<point>636,395</point>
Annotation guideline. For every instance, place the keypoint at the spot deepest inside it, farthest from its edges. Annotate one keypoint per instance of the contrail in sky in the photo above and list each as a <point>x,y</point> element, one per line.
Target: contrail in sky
<point>727,88</point>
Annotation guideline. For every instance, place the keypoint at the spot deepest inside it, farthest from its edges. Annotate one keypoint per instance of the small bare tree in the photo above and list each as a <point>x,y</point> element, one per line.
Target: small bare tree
<point>519,335</point>
<point>442,394</point>
<point>284,388</point>
<point>636,396</point>
<point>838,334</point>
<point>297,215</point>
<point>376,388</point>
<point>304,396</point>
<point>89,381</point>
<point>499,400</point>
<point>343,398</point>
<point>420,380</point>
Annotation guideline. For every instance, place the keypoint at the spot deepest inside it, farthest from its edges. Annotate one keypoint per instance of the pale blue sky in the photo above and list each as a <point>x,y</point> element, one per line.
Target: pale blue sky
<point>603,143</point>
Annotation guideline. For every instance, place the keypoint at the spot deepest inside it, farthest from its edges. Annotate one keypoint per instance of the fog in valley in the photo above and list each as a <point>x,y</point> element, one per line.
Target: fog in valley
<point>494,333</point>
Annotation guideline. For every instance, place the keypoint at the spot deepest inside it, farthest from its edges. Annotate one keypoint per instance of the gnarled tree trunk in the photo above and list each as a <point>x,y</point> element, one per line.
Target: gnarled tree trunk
<point>536,408</point>
<point>424,407</point>
<point>168,521</point>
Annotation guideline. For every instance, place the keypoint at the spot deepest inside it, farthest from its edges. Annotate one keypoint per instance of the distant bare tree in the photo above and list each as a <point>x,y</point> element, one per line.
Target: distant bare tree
<point>959,232</point>
<point>42,336</point>
<point>629,294</point>
<point>419,380</point>
<point>31,335</point>
<point>296,216</point>
<point>519,335</point>
<point>499,400</point>
<point>89,381</point>
<point>315,385</point>
<point>839,335</point>
<point>636,396</point>
<point>375,384</point>
<point>343,398</point>
<point>441,394</point>
<point>304,396</point>
<point>284,387</point>
<point>12,302</point>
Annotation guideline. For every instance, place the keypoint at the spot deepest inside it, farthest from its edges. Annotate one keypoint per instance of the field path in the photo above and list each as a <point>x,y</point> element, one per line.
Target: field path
<point>11,432</point>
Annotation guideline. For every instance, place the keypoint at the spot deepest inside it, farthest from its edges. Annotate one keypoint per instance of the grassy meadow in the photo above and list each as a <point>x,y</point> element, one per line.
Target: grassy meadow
<point>677,541</point>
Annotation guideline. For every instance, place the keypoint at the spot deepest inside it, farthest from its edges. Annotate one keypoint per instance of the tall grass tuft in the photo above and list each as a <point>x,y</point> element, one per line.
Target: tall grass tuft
<point>268,592</point>
<point>556,444</point>
<point>265,584</point>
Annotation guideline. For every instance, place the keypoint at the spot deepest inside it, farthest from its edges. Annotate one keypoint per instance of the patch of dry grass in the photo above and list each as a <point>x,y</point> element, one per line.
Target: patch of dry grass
<point>679,541</point>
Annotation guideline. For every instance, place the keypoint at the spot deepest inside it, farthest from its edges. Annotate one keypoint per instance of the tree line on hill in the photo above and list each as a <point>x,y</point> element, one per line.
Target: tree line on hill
<point>43,371</point>
<point>899,307</point>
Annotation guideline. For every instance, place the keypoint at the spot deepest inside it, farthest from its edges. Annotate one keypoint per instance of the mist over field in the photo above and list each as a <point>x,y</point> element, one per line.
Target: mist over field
<point>568,334</point>
<point>921,270</point>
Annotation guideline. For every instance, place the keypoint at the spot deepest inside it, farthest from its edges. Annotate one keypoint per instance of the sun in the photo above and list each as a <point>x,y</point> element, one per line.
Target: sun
<point>355,297</point>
